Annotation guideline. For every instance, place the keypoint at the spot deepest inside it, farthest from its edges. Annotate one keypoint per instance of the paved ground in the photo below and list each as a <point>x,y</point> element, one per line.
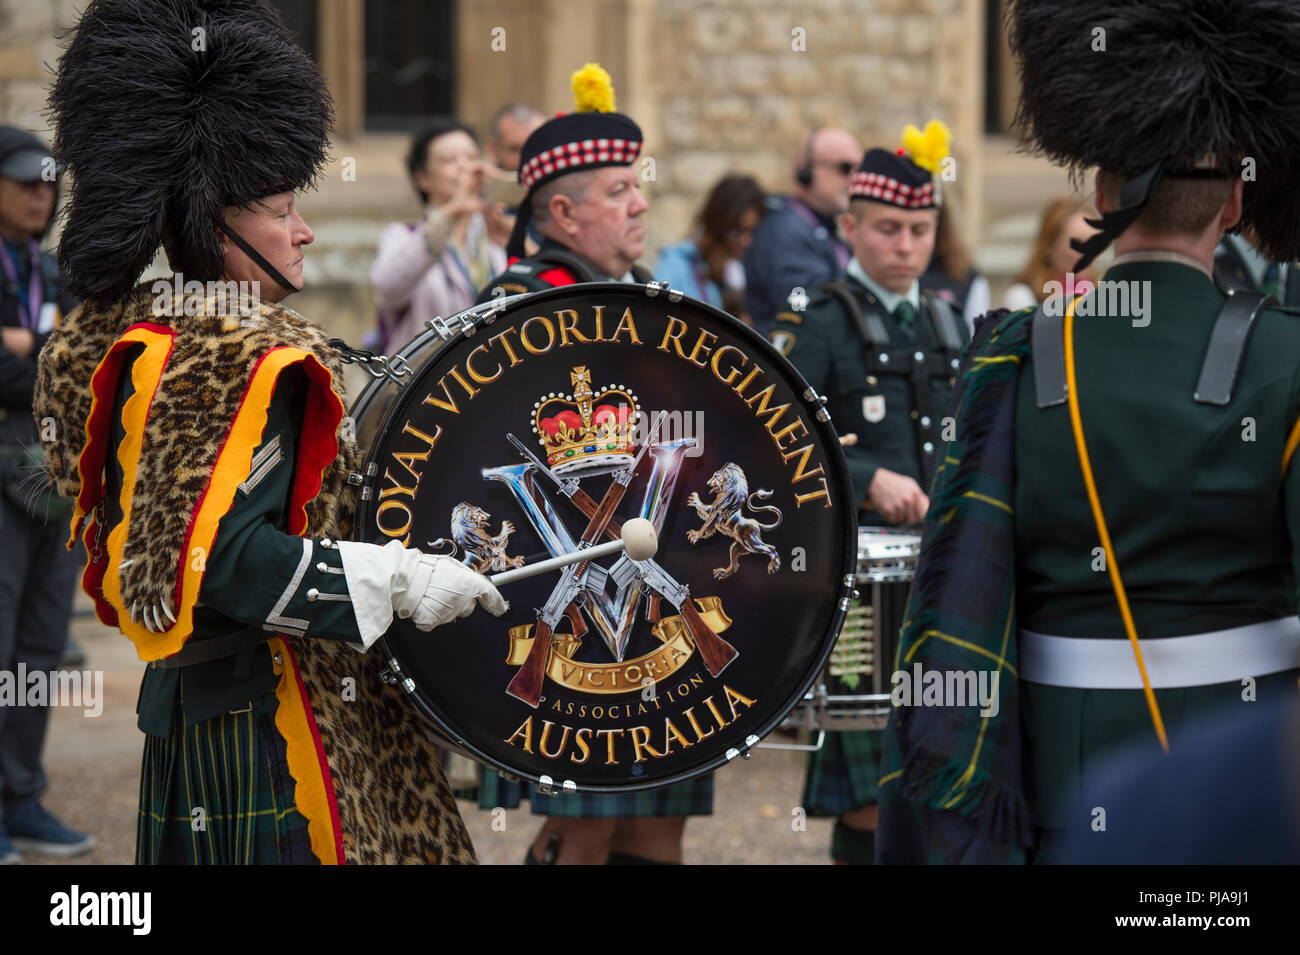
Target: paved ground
<point>94,770</point>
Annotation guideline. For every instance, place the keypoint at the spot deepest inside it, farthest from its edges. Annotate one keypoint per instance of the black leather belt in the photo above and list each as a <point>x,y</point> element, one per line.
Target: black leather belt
<point>216,648</point>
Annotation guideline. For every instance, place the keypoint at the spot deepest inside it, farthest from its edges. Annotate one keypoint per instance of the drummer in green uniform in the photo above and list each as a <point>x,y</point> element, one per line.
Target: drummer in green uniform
<point>1114,529</point>
<point>884,355</point>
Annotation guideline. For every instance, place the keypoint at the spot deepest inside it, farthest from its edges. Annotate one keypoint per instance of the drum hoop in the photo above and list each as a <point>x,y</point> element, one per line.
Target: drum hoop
<point>819,422</point>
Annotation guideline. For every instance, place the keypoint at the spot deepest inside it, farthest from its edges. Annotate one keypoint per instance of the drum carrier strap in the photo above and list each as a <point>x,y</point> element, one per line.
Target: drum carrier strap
<point>1219,369</point>
<point>915,362</point>
<point>582,269</point>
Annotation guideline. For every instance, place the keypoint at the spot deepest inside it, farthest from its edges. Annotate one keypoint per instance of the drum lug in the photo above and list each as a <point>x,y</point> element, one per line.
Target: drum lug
<point>449,328</point>
<point>357,479</point>
<point>811,396</point>
<point>490,313</point>
<point>546,786</point>
<point>652,289</point>
<point>750,742</point>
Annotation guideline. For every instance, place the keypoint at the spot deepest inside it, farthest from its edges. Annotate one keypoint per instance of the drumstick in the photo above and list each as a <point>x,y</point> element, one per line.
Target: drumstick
<point>638,537</point>
<point>848,440</point>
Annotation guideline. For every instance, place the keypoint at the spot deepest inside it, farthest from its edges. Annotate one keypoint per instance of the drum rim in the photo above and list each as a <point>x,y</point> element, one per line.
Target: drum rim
<point>845,581</point>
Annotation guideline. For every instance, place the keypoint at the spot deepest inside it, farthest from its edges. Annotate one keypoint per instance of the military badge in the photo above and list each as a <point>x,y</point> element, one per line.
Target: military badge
<point>873,408</point>
<point>783,341</point>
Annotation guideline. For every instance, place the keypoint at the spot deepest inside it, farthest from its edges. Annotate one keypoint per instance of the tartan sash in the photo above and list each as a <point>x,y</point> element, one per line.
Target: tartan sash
<point>951,779</point>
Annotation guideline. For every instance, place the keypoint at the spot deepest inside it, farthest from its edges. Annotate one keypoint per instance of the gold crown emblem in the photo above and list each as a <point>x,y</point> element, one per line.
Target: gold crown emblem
<point>586,429</point>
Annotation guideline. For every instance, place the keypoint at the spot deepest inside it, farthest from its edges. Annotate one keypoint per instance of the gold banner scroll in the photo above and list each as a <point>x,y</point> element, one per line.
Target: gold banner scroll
<point>608,678</point>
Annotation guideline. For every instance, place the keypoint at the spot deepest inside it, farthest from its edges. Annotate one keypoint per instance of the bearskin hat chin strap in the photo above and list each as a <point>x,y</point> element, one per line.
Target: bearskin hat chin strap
<point>257,258</point>
<point>1133,198</point>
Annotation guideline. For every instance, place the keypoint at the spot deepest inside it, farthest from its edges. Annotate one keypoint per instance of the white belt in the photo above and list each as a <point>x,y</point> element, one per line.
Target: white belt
<point>1200,659</point>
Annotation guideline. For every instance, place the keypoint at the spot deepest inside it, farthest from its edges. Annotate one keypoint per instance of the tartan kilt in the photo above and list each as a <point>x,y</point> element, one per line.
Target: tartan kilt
<point>234,767</point>
<point>691,798</point>
<point>844,774</point>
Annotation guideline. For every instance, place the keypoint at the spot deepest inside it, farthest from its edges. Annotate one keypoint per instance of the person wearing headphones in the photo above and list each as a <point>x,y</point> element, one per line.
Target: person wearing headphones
<point>796,247</point>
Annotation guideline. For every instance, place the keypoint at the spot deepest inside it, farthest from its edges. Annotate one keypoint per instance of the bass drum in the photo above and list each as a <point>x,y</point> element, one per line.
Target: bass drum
<point>496,435</point>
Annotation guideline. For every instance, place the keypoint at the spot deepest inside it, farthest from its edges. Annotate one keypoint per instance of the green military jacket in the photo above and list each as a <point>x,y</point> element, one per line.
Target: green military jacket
<point>893,393</point>
<point>258,582</point>
<point>1201,501</point>
<point>1204,520</point>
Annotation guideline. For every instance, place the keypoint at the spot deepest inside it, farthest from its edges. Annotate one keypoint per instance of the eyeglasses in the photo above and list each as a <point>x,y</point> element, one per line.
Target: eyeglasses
<point>844,168</point>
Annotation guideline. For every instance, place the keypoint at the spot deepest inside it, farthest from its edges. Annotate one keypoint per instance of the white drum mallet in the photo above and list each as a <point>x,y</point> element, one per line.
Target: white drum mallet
<point>638,539</point>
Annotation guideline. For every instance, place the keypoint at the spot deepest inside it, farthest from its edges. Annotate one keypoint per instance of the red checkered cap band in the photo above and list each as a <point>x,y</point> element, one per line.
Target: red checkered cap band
<point>571,157</point>
<point>875,185</point>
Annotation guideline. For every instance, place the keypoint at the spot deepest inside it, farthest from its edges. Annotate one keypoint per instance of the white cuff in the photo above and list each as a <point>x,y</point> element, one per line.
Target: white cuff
<point>368,570</point>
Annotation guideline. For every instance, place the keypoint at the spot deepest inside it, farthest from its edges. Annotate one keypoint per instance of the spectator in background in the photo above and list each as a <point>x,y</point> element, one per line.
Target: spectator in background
<point>1051,256</point>
<point>796,245</point>
<point>952,275</point>
<point>708,266</point>
<point>512,124</point>
<point>436,266</point>
<point>37,573</point>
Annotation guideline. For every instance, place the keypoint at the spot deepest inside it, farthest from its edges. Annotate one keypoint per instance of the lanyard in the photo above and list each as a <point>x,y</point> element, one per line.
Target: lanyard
<point>29,314</point>
<point>460,264</point>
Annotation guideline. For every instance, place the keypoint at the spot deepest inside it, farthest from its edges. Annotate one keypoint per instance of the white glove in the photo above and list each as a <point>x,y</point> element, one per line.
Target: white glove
<point>434,590</point>
<point>427,589</point>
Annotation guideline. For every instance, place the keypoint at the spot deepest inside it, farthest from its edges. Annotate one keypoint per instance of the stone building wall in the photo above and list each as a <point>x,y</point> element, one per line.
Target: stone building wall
<point>733,84</point>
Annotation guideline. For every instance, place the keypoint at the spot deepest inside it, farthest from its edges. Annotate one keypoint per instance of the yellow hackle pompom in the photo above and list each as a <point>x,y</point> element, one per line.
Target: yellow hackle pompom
<point>593,91</point>
<point>930,148</point>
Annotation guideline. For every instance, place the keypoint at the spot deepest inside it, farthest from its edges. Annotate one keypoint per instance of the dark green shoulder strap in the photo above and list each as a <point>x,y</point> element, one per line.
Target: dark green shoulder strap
<point>867,324</point>
<point>945,323</point>
<point>1228,346</point>
<point>1219,368</point>
<point>1047,339</point>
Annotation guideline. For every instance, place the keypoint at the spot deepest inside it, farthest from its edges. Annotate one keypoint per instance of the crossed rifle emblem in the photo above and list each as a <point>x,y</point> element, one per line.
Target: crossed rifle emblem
<point>582,591</point>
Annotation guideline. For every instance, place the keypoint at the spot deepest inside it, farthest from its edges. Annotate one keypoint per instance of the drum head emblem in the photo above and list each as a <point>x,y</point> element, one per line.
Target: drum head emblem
<point>572,412</point>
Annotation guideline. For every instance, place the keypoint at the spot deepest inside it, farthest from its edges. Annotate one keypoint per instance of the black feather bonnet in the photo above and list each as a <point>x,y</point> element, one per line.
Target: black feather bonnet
<point>165,112</point>
<point>1131,86</point>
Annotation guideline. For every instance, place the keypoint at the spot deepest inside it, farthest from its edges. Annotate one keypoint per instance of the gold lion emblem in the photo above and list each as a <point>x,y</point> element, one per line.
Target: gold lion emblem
<point>482,552</point>
<point>731,495</point>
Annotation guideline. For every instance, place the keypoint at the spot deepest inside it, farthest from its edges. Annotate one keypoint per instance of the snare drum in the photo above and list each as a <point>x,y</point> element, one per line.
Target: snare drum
<point>854,690</point>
